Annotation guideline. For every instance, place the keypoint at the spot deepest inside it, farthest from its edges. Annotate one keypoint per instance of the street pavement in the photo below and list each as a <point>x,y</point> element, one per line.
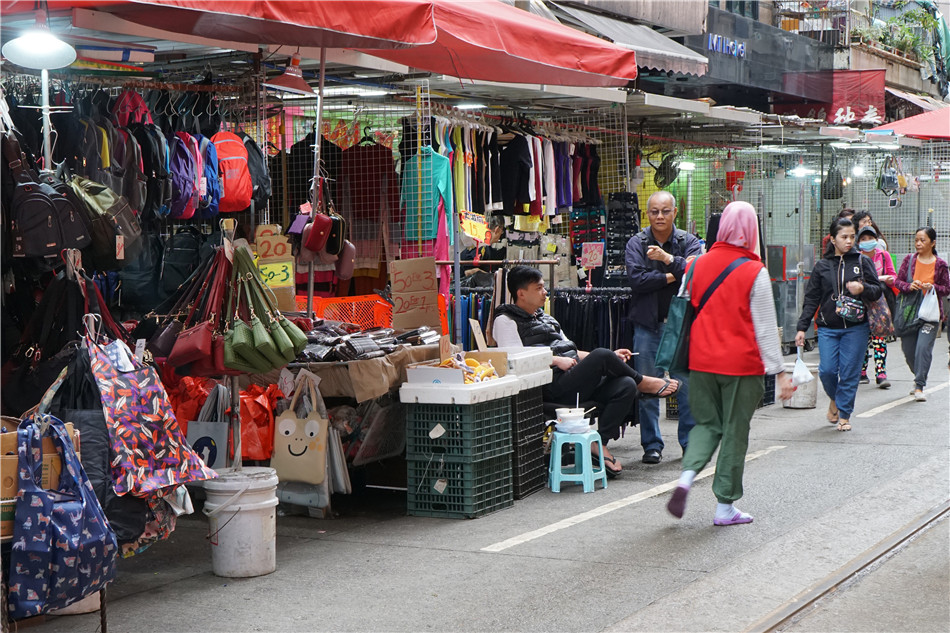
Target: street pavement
<point>612,560</point>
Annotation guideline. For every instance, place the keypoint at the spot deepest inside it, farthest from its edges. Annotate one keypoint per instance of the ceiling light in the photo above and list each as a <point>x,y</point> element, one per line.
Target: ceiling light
<point>354,91</point>
<point>39,48</point>
<point>857,170</point>
<point>687,166</point>
<point>470,106</point>
<point>291,80</point>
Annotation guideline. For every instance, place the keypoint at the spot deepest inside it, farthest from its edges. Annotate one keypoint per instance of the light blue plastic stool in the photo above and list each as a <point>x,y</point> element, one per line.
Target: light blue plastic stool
<point>582,471</point>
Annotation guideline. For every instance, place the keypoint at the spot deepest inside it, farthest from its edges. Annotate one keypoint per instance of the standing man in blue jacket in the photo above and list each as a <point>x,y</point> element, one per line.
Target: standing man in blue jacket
<point>656,260</point>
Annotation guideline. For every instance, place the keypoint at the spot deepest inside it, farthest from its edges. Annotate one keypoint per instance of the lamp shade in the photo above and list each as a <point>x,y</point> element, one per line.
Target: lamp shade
<point>291,80</point>
<point>39,48</point>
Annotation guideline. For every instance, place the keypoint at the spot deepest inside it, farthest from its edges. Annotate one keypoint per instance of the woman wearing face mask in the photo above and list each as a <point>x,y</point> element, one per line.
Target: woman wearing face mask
<point>926,271</point>
<point>840,276</point>
<point>862,219</point>
<point>870,246</point>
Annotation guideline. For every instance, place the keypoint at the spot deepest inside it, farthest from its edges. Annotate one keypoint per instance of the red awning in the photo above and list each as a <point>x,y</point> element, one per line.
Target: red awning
<point>935,125</point>
<point>477,39</point>
<point>492,41</point>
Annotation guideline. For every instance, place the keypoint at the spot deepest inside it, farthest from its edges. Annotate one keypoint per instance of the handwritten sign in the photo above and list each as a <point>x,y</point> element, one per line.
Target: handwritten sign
<point>474,225</point>
<point>592,254</point>
<point>415,300</point>
<point>266,230</point>
<point>271,246</point>
<point>277,273</point>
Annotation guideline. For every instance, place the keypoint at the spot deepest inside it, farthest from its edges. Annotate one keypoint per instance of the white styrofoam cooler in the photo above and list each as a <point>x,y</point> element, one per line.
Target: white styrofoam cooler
<point>527,360</point>
<point>430,393</point>
<point>536,379</point>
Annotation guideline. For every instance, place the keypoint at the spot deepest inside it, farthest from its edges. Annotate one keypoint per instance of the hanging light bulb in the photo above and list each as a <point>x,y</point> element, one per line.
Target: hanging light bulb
<point>291,80</point>
<point>729,163</point>
<point>39,48</point>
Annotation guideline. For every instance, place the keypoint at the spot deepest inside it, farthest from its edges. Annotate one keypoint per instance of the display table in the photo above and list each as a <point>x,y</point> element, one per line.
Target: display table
<point>361,380</point>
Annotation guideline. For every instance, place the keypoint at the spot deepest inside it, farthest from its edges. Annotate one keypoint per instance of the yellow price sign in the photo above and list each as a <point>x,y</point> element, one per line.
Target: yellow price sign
<point>277,274</point>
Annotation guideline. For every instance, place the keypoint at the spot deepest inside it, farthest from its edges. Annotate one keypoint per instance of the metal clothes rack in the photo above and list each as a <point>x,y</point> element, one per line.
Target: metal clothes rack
<point>594,291</point>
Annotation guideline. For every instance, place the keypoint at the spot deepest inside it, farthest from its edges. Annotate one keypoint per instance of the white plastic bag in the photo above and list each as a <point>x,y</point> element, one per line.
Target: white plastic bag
<point>929,310</point>
<point>801,374</point>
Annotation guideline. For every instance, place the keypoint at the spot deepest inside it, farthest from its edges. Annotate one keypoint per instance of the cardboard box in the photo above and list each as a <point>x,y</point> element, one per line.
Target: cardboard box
<point>9,463</point>
<point>7,516</point>
<point>430,372</point>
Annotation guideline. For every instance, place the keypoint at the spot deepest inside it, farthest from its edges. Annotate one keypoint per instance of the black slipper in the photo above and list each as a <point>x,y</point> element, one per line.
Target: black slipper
<point>666,383</point>
<point>611,474</point>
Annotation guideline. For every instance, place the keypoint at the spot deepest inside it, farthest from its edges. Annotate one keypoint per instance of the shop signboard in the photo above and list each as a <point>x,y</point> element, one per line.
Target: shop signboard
<point>857,96</point>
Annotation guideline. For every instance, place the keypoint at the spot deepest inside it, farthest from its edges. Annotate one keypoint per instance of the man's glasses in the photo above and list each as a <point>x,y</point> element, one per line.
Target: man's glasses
<point>664,212</point>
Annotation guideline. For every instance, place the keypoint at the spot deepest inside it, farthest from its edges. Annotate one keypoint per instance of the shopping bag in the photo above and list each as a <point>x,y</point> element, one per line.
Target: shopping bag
<point>672,353</point>
<point>63,547</point>
<point>929,307</point>
<point>300,441</point>
<point>879,316</point>
<point>801,373</point>
<point>906,307</point>
<point>208,434</point>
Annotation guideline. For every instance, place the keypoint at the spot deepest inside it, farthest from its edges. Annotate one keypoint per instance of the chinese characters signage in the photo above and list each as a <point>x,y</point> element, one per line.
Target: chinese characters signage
<point>857,97</point>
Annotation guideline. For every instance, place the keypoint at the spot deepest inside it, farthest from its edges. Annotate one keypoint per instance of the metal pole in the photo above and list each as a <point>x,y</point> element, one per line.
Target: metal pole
<point>235,389</point>
<point>47,126</point>
<point>317,184</point>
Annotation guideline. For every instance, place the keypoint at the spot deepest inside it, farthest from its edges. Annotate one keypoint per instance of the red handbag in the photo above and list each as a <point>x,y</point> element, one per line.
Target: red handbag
<point>192,344</point>
<point>319,232</point>
<point>195,344</point>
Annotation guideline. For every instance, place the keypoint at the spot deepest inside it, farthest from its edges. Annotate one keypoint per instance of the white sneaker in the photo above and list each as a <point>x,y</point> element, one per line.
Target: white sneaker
<point>919,396</point>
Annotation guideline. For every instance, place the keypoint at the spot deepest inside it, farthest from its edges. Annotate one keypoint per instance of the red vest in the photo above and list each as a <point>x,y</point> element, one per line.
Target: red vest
<point>722,339</point>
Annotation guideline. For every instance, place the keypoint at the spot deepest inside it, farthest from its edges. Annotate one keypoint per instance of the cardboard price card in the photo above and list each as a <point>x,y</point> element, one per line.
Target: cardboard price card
<point>273,246</point>
<point>474,225</point>
<point>277,273</point>
<point>415,300</point>
<point>592,254</point>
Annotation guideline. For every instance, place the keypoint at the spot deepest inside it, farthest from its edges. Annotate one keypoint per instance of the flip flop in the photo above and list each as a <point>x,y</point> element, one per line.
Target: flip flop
<point>656,394</point>
<point>611,473</point>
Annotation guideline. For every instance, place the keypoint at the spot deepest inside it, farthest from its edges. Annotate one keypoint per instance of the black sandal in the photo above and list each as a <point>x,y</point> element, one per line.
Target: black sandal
<point>666,383</point>
<point>611,474</point>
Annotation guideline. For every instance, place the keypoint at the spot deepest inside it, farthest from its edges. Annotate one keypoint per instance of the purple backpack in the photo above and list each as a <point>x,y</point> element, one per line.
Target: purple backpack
<point>182,174</point>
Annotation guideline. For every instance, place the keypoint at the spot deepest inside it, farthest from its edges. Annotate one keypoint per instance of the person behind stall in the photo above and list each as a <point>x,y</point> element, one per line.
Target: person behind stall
<point>870,246</point>
<point>843,214</point>
<point>841,272</point>
<point>927,271</point>
<point>600,375</point>
<point>725,389</point>
<point>656,259</point>
<point>476,274</point>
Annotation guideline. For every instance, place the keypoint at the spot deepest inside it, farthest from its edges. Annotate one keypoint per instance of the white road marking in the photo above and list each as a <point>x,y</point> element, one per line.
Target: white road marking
<point>896,403</point>
<point>609,507</point>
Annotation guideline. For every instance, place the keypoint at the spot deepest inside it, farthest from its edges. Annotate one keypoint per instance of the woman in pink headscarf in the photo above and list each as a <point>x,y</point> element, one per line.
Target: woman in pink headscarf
<point>732,345</point>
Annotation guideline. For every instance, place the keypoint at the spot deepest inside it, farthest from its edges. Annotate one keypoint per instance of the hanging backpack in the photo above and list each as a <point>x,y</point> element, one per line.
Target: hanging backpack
<point>180,258</point>
<point>236,186</point>
<point>134,183</point>
<point>260,177</point>
<point>887,180</point>
<point>155,163</point>
<point>210,200</point>
<point>129,108</point>
<point>111,212</point>
<point>182,175</point>
<point>140,287</point>
<point>831,186</point>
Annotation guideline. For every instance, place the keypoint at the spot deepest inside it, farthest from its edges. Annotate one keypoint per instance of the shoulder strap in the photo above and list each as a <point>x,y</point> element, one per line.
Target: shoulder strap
<point>721,278</point>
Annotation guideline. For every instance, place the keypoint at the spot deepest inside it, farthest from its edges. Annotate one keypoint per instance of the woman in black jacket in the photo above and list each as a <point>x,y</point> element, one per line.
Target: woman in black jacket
<point>841,284</point>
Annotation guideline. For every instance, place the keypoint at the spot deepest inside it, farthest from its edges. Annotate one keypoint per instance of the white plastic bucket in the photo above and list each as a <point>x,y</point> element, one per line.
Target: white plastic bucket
<point>806,395</point>
<point>242,514</point>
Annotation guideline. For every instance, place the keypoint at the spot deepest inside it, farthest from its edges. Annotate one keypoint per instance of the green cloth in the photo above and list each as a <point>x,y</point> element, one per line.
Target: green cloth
<point>722,407</point>
<point>421,199</point>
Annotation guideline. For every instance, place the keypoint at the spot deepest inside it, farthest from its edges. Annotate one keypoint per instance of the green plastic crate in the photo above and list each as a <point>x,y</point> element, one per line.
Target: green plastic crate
<point>527,415</point>
<point>471,489</point>
<point>472,432</point>
<point>529,467</point>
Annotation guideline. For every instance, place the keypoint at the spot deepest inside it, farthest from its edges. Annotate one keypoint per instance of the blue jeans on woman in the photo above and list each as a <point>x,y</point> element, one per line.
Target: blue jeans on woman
<point>839,365</point>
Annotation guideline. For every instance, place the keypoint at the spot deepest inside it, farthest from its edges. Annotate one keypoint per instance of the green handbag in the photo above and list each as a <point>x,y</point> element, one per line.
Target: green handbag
<point>284,345</point>
<point>296,335</point>
<point>291,340</point>
<point>231,359</point>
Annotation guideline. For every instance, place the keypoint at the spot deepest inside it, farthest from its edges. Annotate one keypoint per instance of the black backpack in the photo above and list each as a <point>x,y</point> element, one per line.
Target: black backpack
<point>140,288</point>
<point>260,177</point>
<point>180,257</point>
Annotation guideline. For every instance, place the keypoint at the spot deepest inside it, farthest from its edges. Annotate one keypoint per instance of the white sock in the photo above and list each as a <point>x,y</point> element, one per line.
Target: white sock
<point>725,510</point>
<point>686,479</point>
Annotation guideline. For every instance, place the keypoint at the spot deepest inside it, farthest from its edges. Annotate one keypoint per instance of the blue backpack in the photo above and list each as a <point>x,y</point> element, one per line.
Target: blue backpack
<point>182,174</point>
<point>208,204</point>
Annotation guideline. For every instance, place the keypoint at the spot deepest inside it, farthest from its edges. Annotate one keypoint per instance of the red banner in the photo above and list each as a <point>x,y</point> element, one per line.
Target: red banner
<point>857,96</point>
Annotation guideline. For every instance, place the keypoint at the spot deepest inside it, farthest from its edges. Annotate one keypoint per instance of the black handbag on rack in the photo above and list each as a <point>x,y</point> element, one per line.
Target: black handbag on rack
<point>832,186</point>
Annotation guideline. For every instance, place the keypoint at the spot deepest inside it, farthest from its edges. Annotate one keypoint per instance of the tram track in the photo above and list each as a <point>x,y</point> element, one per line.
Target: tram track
<point>803,604</point>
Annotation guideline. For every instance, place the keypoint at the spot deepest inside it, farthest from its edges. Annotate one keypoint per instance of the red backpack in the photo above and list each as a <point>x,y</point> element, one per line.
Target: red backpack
<point>236,185</point>
<point>130,108</point>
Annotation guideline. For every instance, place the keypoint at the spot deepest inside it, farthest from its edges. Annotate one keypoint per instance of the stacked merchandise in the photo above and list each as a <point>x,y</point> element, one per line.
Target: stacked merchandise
<point>330,341</point>
<point>623,222</point>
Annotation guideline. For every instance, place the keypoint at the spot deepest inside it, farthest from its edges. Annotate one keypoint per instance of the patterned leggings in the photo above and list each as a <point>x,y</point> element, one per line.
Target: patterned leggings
<point>877,345</point>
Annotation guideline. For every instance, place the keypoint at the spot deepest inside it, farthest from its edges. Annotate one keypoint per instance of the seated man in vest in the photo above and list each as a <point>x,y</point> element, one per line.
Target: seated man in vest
<point>600,375</point>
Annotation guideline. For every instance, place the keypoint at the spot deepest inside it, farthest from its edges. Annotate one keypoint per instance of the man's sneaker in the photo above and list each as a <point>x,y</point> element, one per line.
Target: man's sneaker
<point>919,396</point>
<point>864,379</point>
<point>883,382</point>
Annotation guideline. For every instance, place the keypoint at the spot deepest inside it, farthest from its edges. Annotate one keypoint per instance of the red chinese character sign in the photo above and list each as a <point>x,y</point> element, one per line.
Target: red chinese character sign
<point>592,255</point>
<point>857,97</point>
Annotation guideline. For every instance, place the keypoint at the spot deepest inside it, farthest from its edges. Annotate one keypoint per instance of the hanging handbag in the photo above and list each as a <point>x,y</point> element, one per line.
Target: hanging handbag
<point>847,307</point>
<point>347,261</point>
<point>673,350</point>
<point>194,342</point>
<point>887,179</point>
<point>337,237</point>
<point>316,238</point>
<point>297,338</point>
<point>300,442</point>
<point>63,547</point>
<point>832,187</point>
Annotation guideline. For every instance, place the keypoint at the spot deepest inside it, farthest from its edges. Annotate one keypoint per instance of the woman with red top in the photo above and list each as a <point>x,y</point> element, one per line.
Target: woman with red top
<point>926,271</point>
<point>725,388</point>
